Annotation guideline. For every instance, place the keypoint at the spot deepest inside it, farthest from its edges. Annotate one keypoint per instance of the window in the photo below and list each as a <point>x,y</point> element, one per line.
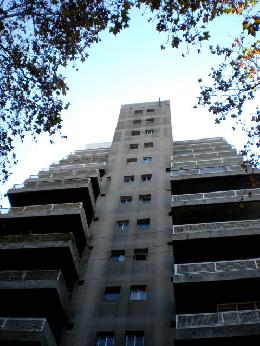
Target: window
<point>149,120</point>
<point>134,339</point>
<point>140,254</point>
<point>143,224</point>
<point>148,132</point>
<point>125,199</point>
<point>150,110</point>
<point>129,178</point>
<point>137,121</point>
<point>145,198</point>
<point>148,145</point>
<point>112,294</point>
<point>131,160</point>
<point>122,225</point>
<point>138,292</point>
<point>147,159</point>
<point>146,177</point>
<point>133,146</point>
<point>135,133</point>
<point>117,255</point>
<point>138,111</point>
<point>106,339</point>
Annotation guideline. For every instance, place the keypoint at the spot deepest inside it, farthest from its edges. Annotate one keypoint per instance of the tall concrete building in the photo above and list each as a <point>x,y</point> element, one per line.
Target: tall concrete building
<point>144,241</point>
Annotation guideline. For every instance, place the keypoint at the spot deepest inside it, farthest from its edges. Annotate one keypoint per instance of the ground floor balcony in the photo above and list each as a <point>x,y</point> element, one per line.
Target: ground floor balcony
<point>40,252</point>
<point>216,229</point>
<point>48,218</point>
<point>25,331</point>
<point>218,325</point>
<point>55,192</point>
<point>220,270</point>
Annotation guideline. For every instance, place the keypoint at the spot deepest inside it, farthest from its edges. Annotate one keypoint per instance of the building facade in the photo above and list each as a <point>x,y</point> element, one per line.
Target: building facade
<point>143,242</point>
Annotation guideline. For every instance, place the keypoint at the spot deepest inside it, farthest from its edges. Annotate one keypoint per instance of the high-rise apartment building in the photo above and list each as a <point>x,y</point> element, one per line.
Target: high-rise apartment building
<point>142,242</point>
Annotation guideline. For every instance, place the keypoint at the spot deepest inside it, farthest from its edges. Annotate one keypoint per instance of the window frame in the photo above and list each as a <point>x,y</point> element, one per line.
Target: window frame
<point>112,294</point>
<point>147,159</point>
<point>137,121</point>
<point>150,110</point>
<point>131,160</point>
<point>131,179</point>
<point>138,111</point>
<point>149,131</point>
<point>140,254</point>
<point>148,145</point>
<point>135,133</point>
<point>117,254</point>
<point>149,176</point>
<point>145,198</point>
<point>105,335</point>
<point>138,293</point>
<point>125,200</point>
<point>143,224</point>
<point>124,223</point>
<point>149,120</point>
<point>136,335</point>
<point>133,146</point>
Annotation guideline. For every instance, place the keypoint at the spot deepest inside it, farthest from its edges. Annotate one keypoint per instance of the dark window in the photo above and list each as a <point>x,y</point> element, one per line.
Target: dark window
<point>137,121</point>
<point>135,133</point>
<point>117,255</point>
<point>149,120</point>
<point>138,292</point>
<point>138,111</point>
<point>143,224</point>
<point>149,132</point>
<point>129,178</point>
<point>147,159</point>
<point>134,338</point>
<point>150,110</point>
<point>140,254</point>
<point>131,160</point>
<point>122,225</point>
<point>133,146</point>
<point>106,339</point>
<point>112,294</point>
<point>125,199</point>
<point>146,177</point>
<point>148,145</point>
<point>145,198</point>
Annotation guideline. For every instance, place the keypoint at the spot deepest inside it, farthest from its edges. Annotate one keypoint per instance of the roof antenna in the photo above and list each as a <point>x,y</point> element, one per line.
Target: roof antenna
<point>159,102</point>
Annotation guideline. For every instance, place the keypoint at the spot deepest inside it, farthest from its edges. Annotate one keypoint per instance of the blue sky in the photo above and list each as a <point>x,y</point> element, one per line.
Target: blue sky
<point>129,68</point>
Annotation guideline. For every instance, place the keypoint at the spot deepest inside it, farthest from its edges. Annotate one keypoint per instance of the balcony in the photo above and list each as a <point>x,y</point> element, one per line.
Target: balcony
<point>216,206</point>
<point>36,252</point>
<point>218,324</point>
<point>55,192</point>
<point>49,218</point>
<point>101,166</point>
<point>25,331</point>
<point>216,229</point>
<point>218,270</point>
<point>216,197</point>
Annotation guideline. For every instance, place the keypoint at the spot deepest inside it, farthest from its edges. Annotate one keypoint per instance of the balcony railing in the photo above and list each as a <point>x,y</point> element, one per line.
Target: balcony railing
<point>52,183</point>
<point>217,319</point>
<point>39,208</point>
<point>216,226</point>
<point>206,170</point>
<point>31,275</point>
<point>64,173</point>
<point>28,325</point>
<point>217,267</point>
<point>195,156</point>
<point>207,163</point>
<point>230,194</point>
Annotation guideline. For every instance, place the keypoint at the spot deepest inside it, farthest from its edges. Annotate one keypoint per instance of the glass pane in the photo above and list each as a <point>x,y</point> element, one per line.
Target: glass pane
<point>139,341</point>
<point>130,340</point>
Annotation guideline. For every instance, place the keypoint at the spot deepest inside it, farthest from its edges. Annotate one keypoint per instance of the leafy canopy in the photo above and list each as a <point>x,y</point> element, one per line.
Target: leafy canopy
<point>38,37</point>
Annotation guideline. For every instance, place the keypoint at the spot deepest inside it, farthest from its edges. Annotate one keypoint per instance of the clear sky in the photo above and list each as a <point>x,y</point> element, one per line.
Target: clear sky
<point>129,68</point>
